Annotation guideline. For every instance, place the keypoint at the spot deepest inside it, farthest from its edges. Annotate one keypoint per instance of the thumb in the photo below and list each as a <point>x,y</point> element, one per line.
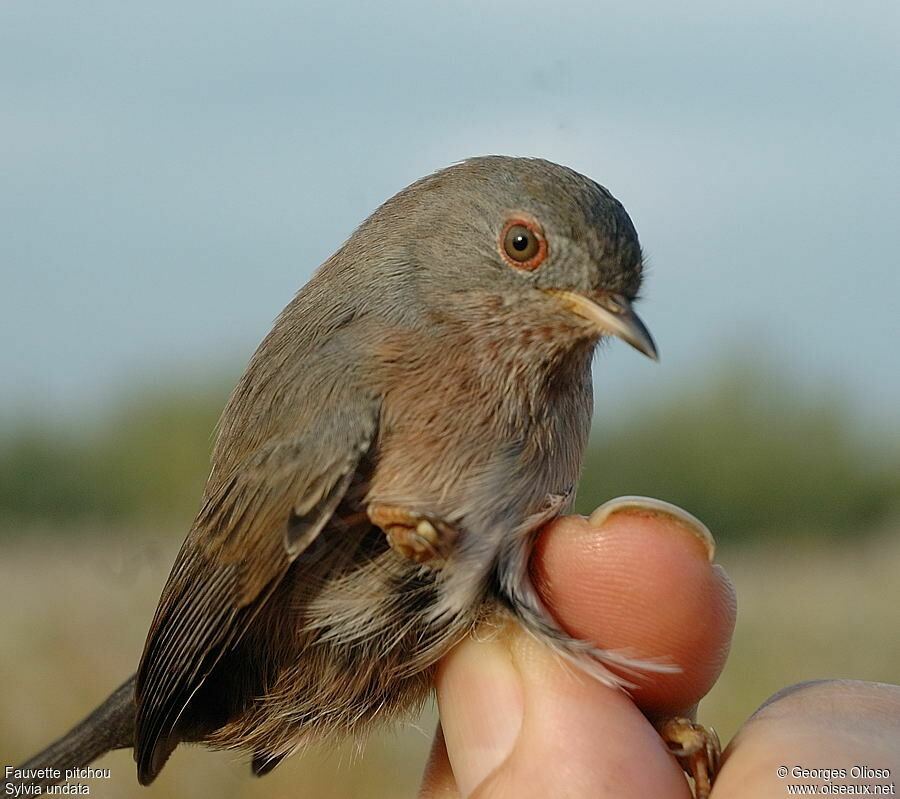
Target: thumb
<point>518,722</point>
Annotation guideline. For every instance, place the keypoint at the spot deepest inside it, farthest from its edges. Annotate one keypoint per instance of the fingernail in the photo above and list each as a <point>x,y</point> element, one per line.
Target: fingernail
<point>481,704</point>
<point>648,506</point>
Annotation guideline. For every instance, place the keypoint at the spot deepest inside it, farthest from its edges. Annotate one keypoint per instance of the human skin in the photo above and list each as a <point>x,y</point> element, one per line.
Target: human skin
<point>516,720</point>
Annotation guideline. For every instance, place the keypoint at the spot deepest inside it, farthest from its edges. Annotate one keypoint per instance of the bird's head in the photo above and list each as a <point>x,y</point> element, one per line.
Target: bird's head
<point>516,241</point>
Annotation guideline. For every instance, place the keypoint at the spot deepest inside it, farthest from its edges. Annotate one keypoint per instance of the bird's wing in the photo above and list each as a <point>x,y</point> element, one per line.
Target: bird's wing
<point>251,527</point>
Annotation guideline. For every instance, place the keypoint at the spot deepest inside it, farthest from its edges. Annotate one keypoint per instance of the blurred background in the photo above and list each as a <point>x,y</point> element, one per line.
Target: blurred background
<point>171,173</point>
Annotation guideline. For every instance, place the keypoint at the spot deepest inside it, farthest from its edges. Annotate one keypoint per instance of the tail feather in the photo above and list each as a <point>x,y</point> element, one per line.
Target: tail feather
<point>110,726</point>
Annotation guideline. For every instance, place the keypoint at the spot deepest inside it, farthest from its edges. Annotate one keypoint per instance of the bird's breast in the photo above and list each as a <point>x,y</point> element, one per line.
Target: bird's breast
<point>476,439</point>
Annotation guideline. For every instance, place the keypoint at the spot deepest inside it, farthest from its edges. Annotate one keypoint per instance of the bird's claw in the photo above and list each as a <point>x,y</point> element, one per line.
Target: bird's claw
<point>696,748</point>
<point>420,537</point>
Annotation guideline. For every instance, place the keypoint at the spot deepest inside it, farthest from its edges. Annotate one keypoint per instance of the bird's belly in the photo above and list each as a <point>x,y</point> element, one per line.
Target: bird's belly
<point>361,643</point>
<point>359,649</point>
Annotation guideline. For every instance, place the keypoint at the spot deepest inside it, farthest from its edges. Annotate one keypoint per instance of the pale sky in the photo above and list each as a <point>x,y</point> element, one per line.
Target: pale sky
<point>170,173</point>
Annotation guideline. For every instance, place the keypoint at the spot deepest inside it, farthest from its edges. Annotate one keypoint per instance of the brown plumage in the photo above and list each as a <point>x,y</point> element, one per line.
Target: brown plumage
<point>433,376</point>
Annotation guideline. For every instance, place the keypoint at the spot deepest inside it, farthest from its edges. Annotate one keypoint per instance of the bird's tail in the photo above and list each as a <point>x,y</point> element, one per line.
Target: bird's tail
<point>110,726</point>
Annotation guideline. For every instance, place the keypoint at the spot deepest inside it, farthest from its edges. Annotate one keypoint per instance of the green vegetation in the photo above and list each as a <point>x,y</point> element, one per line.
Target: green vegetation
<point>748,451</point>
<point>146,460</point>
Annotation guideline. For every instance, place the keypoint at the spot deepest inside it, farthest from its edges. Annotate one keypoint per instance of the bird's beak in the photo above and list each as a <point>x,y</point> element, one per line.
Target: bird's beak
<point>611,314</point>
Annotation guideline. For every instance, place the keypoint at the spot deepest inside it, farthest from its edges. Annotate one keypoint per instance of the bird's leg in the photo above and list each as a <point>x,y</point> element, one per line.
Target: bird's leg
<point>421,537</point>
<point>696,748</point>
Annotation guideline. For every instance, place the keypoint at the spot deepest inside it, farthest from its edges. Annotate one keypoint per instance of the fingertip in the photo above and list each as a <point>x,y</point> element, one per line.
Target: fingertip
<point>650,507</point>
<point>639,579</point>
<point>835,736</point>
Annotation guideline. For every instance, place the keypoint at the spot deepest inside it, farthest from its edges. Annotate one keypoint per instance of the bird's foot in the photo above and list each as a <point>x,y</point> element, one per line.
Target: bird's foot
<point>696,748</point>
<point>420,537</point>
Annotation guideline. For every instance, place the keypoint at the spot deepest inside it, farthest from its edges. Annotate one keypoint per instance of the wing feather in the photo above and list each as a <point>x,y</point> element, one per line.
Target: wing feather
<point>248,532</point>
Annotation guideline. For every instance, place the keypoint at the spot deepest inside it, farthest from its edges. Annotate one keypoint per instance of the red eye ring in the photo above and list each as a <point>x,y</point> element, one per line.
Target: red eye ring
<point>522,243</point>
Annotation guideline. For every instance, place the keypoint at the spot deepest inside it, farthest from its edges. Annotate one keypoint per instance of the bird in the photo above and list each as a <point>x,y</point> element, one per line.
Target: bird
<point>418,412</point>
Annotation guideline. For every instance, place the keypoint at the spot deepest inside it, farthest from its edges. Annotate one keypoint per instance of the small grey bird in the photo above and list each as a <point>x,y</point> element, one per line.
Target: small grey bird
<point>418,412</point>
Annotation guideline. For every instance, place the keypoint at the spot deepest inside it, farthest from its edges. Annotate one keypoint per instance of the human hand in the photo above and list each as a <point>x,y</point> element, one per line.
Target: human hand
<point>517,721</point>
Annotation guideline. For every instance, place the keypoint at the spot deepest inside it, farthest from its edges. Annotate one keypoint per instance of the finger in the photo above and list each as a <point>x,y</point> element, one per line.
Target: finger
<point>438,781</point>
<point>481,703</point>
<point>839,725</point>
<point>638,576</point>
<point>519,721</point>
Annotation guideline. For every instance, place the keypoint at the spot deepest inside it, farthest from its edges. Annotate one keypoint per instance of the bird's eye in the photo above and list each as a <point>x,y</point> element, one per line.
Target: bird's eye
<point>522,244</point>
